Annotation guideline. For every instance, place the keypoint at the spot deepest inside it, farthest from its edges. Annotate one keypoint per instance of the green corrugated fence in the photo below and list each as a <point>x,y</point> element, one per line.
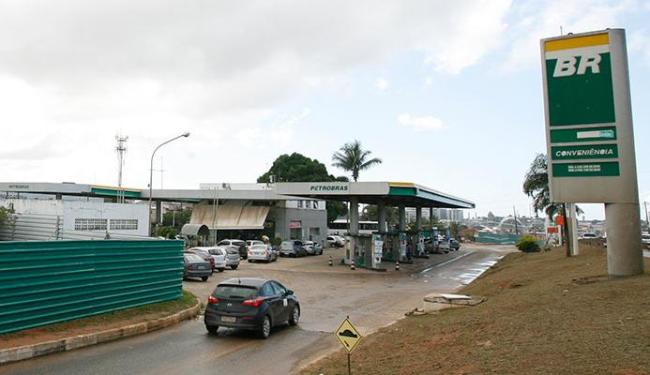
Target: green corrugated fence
<point>45,282</point>
<point>497,238</point>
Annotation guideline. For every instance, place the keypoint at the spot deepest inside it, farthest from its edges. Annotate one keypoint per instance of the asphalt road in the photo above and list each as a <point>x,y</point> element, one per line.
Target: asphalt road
<point>327,295</point>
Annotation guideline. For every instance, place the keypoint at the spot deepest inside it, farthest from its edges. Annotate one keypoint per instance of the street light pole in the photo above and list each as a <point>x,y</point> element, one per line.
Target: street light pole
<point>184,135</point>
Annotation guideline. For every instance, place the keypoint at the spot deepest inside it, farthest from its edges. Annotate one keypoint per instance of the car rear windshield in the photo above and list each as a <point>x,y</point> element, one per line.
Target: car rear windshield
<point>259,247</point>
<point>235,291</point>
<point>193,258</point>
<point>233,251</point>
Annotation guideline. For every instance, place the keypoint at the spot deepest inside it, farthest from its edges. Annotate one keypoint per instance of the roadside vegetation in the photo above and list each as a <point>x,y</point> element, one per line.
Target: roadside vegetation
<point>544,314</point>
<point>98,322</point>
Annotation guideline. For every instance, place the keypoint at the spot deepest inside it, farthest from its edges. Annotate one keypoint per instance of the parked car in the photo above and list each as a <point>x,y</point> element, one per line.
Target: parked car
<point>195,266</point>
<point>250,243</point>
<point>453,244</point>
<point>335,241</point>
<point>261,252</point>
<point>313,248</point>
<point>292,248</point>
<point>252,304</point>
<point>645,239</point>
<point>204,254</point>
<point>219,256</point>
<point>232,257</point>
<point>238,244</point>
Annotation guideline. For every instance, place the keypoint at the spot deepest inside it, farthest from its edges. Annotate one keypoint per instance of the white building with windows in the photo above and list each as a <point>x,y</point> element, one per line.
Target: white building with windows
<point>74,217</point>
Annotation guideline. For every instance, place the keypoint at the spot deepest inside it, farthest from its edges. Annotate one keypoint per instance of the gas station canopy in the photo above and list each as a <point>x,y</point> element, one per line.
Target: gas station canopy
<point>391,193</point>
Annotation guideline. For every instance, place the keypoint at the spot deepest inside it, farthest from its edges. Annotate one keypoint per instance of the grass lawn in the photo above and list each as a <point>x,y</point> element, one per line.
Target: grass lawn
<point>98,322</point>
<point>545,314</point>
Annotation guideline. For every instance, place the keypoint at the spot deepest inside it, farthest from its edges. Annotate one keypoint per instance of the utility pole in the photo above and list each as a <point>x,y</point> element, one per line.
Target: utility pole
<point>516,225</point>
<point>121,150</point>
<point>645,207</point>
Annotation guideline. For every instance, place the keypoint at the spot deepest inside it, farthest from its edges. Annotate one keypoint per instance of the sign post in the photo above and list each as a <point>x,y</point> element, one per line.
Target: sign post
<point>590,139</point>
<point>349,337</point>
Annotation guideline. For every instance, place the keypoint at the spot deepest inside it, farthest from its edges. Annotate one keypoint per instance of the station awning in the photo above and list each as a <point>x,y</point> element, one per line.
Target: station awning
<point>391,193</point>
<point>230,216</point>
<point>195,230</point>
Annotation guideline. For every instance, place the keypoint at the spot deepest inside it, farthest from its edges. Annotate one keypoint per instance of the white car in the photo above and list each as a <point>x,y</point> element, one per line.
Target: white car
<point>232,256</point>
<point>250,243</point>
<point>335,241</point>
<point>261,252</point>
<point>216,254</point>
<point>645,239</point>
<point>313,248</point>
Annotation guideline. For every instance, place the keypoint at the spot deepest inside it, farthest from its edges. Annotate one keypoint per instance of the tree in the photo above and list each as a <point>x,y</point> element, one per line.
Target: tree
<point>177,219</point>
<point>352,158</point>
<point>5,216</point>
<point>299,168</point>
<point>536,187</point>
<point>296,168</point>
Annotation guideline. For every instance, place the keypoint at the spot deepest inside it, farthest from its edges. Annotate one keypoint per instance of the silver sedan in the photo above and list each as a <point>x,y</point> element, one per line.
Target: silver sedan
<point>261,252</point>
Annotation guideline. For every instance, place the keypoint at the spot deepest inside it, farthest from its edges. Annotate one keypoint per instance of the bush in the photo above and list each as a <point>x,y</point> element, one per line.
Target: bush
<point>167,232</point>
<point>528,244</point>
<point>276,241</point>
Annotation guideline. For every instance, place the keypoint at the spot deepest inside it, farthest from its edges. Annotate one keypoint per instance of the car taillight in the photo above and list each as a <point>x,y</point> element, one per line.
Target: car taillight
<point>253,302</point>
<point>212,300</point>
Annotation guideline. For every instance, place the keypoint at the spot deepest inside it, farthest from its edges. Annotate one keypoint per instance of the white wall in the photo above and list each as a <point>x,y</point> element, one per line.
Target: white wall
<point>102,210</point>
<point>70,210</point>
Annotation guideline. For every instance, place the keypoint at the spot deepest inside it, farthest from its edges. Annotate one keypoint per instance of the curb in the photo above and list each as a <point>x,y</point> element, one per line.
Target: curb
<point>75,342</point>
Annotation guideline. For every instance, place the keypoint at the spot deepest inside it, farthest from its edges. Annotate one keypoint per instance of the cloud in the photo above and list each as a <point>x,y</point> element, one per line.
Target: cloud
<point>639,43</point>
<point>381,84</point>
<point>79,72</point>
<point>534,21</point>
<point>420,123</point>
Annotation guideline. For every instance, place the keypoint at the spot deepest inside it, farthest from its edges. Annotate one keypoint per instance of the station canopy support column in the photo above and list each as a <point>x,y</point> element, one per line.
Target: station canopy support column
<point>401,250</point>
<point>381,217</point>
<point>353,229</point>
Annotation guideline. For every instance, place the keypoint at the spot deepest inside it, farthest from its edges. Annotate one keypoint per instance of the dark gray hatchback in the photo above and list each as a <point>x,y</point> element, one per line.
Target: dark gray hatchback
<point>252,304</point>
<point>195,266</point>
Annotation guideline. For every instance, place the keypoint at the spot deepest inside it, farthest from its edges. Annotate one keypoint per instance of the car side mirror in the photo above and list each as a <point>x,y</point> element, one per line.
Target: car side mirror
<point>289,292</point>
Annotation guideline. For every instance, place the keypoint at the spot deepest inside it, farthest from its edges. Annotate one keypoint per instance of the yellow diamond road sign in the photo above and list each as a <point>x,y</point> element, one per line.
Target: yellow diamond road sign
<point>348,335</point>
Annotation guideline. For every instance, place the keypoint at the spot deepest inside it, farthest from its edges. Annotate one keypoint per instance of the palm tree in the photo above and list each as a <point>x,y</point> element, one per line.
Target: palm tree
<point>352,158</point>
<point>536,187</point>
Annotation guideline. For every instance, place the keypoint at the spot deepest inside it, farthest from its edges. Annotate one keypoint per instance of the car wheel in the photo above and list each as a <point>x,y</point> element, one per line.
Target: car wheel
<point>265,328</point>
<point>221,269</point>
<point>250,261</point>
<point>234,267</point>
<point>212,329</point>
<point>295,316</point>
<point>204,278</point>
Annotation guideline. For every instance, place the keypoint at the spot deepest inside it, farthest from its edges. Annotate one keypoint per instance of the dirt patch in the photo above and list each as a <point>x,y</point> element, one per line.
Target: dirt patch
<point>97,323</point>
<point>545,314</point>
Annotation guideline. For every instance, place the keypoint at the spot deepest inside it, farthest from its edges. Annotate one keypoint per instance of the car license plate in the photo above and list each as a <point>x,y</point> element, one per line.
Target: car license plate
<point>201,267</point>
<point>228,319</point>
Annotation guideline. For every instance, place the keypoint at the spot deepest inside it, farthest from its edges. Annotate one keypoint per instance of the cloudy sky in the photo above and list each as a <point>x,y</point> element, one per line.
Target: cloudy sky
<point>448,94</point>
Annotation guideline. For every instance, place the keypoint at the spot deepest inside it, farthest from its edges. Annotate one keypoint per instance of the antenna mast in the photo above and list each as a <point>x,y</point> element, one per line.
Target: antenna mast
<point>121,150</point>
